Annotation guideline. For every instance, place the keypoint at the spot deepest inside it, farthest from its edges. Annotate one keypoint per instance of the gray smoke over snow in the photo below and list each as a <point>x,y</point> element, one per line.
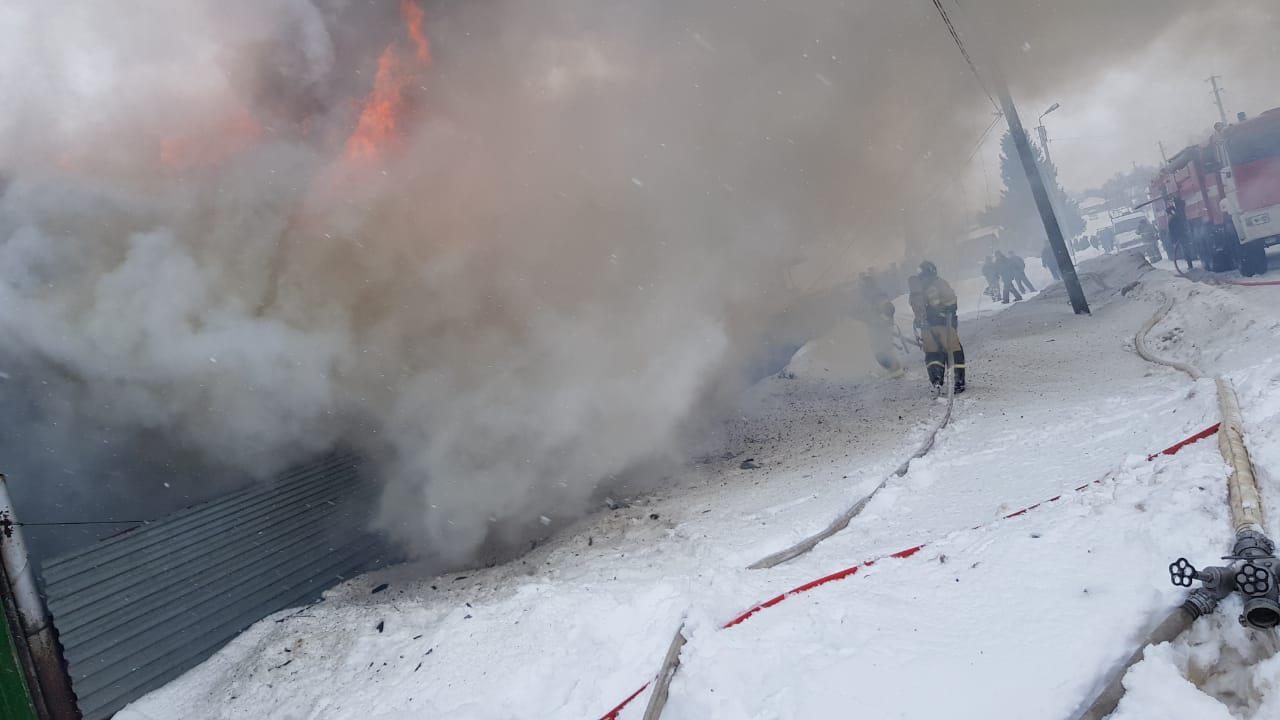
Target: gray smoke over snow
<point>568,254</point>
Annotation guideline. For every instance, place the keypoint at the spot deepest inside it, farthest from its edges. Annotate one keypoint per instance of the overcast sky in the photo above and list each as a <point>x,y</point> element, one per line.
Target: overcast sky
<point>1161,94</point>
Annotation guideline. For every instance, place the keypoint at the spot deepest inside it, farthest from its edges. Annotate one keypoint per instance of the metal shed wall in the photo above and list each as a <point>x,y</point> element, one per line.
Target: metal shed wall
<point>137,610</point>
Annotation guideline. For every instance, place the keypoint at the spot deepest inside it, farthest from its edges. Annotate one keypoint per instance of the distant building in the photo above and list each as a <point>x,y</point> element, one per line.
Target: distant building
<point>1093,204</point>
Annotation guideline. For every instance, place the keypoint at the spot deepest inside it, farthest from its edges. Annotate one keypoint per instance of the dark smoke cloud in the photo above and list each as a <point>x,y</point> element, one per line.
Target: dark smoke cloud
<point>573,254</point>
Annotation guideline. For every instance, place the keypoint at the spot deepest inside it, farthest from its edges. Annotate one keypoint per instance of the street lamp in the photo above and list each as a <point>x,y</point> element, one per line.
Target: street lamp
<point>1044,135</point>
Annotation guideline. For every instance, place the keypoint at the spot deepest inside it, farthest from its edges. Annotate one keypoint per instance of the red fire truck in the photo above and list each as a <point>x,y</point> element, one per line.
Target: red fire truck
<point>1229,189</point>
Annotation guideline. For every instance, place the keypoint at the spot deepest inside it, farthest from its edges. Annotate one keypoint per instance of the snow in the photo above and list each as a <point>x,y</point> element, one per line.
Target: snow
<point>995,618</point>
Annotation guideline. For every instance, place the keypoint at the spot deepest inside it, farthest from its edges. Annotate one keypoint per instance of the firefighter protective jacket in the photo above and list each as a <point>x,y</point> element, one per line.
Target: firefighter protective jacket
<point>940,302</point>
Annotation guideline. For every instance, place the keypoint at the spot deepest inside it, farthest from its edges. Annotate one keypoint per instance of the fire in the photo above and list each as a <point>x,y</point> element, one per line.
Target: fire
<point>383,110</point>
<point>377,123</point>
<point>413,21</point>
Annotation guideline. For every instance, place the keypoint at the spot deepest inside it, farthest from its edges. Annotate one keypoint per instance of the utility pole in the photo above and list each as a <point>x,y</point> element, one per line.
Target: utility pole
<point>1217,96</point>
<point>1029,166</point>
<point>1041,194</point>
<point>1163,155</point>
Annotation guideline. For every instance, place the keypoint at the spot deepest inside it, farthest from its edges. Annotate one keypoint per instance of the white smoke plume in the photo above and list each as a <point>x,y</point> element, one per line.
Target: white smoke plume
<point>576,238</point>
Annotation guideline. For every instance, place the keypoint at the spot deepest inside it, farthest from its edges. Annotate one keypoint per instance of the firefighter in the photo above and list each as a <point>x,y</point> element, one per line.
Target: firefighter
<point>1007,272</point>
<point>1050,261</point>
<point>992,276</point>
<point>1150,244</point>
<point>941,328</point>
<point>882,328</point>
<point>915,297</point>
<point>1180,232</point>
<point>1019,267</point>
<point>1107,239</point>
<point>877,313</point>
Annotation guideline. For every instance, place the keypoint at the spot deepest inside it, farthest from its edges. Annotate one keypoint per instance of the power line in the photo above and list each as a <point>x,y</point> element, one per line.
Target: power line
<point>1052,228</point>
<point>973,153</point>
<point>955,35</point>
<point>982,139</point>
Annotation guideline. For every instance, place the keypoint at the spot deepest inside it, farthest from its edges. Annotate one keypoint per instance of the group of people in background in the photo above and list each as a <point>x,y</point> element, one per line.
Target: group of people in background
<point>1104,240</point>
<point>1006,277</point>
<point>935,307</point>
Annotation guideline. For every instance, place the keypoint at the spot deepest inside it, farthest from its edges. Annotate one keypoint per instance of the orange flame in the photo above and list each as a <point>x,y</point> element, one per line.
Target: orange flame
<point>377,123</point>
<point>381,111</point>
<point>413,21</point>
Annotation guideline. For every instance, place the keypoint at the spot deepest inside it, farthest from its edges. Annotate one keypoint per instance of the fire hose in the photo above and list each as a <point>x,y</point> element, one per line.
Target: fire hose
<point>658,699</point>
<point>842,520</point>
<point>653,710</point>
<point>1256,568</point>
<point>672,661</point>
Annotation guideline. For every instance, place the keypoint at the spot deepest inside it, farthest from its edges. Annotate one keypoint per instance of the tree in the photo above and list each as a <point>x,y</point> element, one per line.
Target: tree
<point>1016,213</point>
<point>1125,189</point>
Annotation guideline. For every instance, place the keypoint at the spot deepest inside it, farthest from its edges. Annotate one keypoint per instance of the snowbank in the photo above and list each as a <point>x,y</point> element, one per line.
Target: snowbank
<point>1219,669</point>
<point>1015,618</point>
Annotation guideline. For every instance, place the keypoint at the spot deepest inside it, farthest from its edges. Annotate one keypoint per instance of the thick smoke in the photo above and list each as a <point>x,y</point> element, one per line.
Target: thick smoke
<point>574,245</point>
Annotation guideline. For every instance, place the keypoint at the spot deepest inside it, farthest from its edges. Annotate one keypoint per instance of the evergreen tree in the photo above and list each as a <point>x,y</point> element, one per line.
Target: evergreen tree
<point>1016,211</point>
<point>1126,188</point>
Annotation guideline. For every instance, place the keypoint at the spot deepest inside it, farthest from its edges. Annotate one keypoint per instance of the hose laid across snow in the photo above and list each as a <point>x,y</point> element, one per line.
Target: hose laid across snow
<point>662,683</point>
<point>1173,625</point>
<point>1242,488</point>
<point>1242,496</point>
<point>658,700</point>
<point>843,519</point>
<point>1140,342</point>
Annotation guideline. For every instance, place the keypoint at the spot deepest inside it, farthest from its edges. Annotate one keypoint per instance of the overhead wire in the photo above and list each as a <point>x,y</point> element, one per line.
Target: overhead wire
<point>973,67</point>
<point>982,139</point>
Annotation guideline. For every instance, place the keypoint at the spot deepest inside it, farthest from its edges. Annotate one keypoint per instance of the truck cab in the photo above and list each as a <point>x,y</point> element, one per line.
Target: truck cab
<point>1248,159</point>
<point>1124,224</point>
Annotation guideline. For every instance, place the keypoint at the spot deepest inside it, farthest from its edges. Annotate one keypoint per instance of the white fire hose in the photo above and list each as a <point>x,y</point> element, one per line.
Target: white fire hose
<point>1242,497</point>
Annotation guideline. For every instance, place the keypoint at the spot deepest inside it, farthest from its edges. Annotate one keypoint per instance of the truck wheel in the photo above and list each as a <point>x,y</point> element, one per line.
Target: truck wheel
<point>1218,255</point>
<point>1254,258</point>
<point>1223,262</point>
<point>1258,250</point>
<point>1206,256</point>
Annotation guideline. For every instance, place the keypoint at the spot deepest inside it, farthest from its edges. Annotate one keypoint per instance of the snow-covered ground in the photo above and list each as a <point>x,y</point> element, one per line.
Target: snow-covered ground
<point>1016,618</point>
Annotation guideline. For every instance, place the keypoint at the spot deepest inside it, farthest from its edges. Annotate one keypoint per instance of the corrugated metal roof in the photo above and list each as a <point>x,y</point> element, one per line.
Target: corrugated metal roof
<point>138,609</point>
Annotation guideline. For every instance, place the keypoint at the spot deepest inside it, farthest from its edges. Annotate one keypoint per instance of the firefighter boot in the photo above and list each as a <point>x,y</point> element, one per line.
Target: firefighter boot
<point>959,373</point>
<point>937,374</point>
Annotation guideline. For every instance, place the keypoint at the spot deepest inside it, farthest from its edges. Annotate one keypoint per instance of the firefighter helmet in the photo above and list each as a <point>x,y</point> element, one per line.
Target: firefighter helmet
<point>928,269</point>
